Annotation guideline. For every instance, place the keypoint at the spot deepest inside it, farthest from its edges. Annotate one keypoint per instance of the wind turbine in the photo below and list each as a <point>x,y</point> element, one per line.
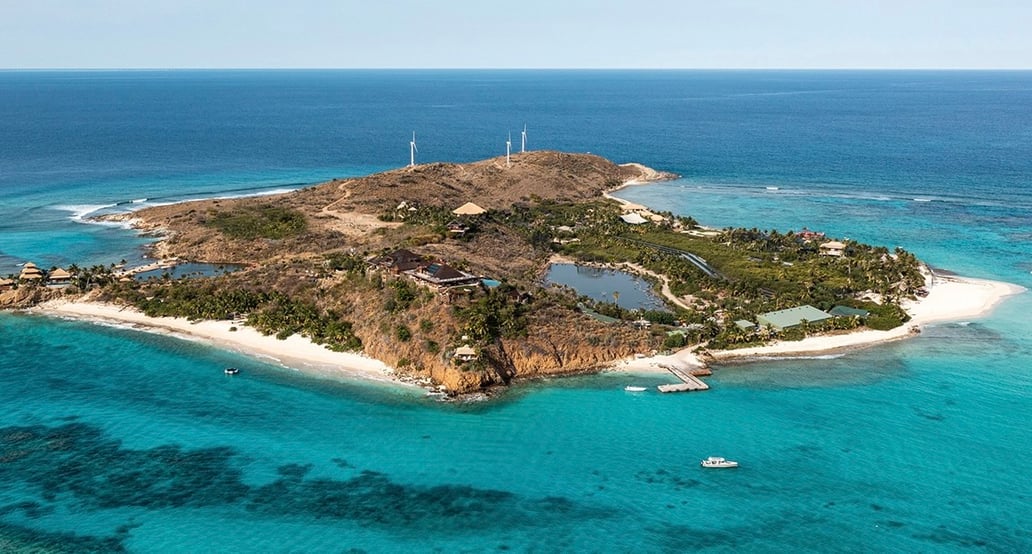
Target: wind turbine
<point>412,150</point>
<point>508,147</point>
<point>523,139</point>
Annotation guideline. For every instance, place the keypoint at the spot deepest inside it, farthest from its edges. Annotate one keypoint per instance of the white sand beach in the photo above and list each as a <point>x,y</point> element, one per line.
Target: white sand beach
<point>950,298</point>
<point>295,352</point>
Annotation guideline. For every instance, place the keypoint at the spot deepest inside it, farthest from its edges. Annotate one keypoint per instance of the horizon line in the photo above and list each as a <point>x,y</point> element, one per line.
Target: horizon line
<point>399,68</point>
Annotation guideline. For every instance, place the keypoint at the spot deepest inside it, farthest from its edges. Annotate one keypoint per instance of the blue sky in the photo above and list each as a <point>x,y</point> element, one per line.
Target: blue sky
<point>515,34</point>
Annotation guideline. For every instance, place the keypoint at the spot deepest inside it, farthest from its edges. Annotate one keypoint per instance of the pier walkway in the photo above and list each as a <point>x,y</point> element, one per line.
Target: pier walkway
<point>688,382</point>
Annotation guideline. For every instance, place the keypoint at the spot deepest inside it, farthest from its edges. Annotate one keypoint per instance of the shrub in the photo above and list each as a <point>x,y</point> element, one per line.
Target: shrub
<point>675,340</point>
<point>255,222</point>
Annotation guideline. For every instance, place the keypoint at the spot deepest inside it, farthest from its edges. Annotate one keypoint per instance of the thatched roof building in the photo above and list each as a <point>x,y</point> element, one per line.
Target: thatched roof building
<point>468,208</point>
<point>59,275</point>
<point>30,272</point>
<point>465,353</point>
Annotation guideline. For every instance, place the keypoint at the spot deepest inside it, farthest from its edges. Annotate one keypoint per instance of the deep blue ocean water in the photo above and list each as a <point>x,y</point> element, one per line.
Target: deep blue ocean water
<point>115,439</point>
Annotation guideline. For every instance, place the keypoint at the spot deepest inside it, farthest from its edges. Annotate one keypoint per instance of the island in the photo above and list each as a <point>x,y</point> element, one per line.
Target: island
<point>435,274</point>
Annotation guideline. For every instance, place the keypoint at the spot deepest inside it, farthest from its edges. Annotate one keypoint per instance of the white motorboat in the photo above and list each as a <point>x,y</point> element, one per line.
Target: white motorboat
<point>632,388</point>
<point>717,461</point>
<point>231,371</point>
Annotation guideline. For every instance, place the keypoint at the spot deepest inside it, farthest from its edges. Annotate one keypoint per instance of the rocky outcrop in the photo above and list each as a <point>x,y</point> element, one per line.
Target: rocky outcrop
<point>27,296</point>
<point>549,348</point>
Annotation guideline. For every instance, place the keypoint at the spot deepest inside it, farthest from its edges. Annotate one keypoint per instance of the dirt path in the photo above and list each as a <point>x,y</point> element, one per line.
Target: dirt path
<point>665,289</point>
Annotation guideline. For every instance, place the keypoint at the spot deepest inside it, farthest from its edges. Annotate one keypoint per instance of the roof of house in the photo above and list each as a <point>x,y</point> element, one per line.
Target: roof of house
<point>833,245</point>
<point>791,317</point>
<point>633,218</point>
<point>60,274</point>
<point>846,311</point>
<point>465,350</point>
<point>468,208</point>
<point>745,324</point>
<point>6,282</point>
<point>30,271</point>
<point>399,257</point>
<point>444,272</point>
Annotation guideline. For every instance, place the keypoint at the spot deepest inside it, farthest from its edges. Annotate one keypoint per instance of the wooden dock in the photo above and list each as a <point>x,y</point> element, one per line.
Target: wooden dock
<point>688,382</point>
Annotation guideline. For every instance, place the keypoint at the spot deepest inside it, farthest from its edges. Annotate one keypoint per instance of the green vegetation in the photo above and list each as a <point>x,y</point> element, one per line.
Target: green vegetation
<point>886,316</point>
<point>498,313</point>
<point>197,300</point>
<point>268,312</point>
<point>404,293</point>
<point>756,271</point>
<point>674,341</point>
<point>264,221</point>
<point>350,263</point>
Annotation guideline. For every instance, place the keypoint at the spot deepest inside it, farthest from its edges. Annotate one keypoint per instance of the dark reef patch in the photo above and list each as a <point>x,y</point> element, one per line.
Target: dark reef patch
<point>28,508</point>
<point>683,538</point>
<point>664,477</point>
<point>15,538</point>
<point>78,459</point>
<point>945,536</point>
<point>78,462</point>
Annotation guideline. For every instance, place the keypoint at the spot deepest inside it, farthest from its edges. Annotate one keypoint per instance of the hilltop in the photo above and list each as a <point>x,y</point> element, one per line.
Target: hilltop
<point>351,210</point>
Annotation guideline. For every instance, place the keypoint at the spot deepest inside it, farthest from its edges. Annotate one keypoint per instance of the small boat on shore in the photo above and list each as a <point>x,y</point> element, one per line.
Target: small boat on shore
<point>231,371</point>
<point>718,462</point>
<point>632,388</point>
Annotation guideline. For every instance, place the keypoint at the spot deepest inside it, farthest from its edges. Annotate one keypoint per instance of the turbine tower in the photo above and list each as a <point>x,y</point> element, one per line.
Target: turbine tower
<point>412,150</point>
<point>523,139</point>
<point>508,147</point>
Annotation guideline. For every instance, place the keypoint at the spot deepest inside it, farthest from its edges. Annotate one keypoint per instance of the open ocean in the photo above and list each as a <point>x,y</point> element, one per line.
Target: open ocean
<point>113,439</point>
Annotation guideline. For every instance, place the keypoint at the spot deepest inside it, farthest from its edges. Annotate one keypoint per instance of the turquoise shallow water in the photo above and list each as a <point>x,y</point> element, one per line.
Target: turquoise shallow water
<point>899,448</point>
<point>112,439</point>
